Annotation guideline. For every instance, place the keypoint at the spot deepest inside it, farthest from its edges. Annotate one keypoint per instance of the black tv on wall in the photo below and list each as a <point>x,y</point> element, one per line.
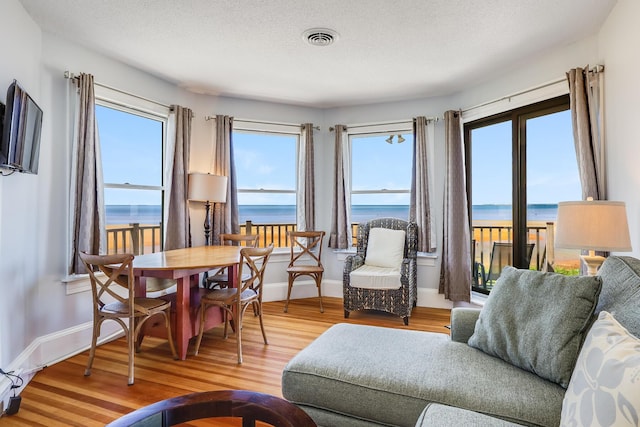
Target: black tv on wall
<point>22,126</point>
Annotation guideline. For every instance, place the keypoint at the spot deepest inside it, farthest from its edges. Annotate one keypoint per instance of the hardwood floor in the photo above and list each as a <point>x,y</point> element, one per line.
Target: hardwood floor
<point>60,395</point>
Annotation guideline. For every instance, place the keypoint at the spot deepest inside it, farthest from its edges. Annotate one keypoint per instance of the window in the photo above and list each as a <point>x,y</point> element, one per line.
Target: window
<point>521,164</point>
<point>381,165</point>
<point>265,165</point>
<point>131,144</point>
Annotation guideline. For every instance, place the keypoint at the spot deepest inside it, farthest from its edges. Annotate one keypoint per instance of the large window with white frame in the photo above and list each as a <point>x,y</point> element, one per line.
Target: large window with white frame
<point>381,165</point>
<point>265,158</point>
<point>132,152</point>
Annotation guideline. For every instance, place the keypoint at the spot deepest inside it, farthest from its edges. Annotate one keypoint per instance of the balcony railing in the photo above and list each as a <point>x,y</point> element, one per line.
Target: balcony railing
<point>134,238</point>
<point>486,235</point>
<point>140,239</point>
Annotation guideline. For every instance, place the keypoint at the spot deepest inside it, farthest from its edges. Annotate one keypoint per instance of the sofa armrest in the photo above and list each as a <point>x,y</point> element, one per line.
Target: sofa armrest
<point>463,323</point>
<point>352,262</point>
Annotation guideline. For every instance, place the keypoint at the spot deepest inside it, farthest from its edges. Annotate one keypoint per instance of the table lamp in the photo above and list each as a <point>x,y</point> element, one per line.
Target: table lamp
<point>208,188</point>
<point>593,225</point>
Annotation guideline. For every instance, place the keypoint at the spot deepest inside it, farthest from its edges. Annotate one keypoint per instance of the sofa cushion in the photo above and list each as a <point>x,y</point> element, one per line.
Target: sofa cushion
<point>372,277</point>
<point>537,321</point>
<point>620,294</point>
<point>387,376</point>
<point>435,415</point>
<point>605,385</point>
<point>385,247</point>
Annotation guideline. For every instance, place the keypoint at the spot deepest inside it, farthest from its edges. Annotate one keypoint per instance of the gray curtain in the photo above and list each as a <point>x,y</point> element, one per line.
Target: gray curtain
<point>455,271</point>
<point>225,215</point>
<point>177,178</point>
<point>340,236</point>
<point>306,181</point>
<point>89,233</point>
<point>585,91</point>
<point>419,208</point>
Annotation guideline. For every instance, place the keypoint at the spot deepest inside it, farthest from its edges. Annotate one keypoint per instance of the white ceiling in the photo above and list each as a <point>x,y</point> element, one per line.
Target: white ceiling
<point>387,50</point>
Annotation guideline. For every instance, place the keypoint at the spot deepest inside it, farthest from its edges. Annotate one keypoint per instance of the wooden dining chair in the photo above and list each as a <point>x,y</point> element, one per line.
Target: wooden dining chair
<point>235,300</point>
<point>306,254</point>
<point>108,275</point>
<point>220,279</point>
<point>251,406</point>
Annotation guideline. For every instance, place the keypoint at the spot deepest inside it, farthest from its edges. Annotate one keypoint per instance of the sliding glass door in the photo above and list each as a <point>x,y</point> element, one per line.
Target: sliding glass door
<point>520,164</point>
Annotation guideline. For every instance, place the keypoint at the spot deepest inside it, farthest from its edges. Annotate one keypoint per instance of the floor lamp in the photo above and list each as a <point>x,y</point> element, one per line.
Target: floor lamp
<point>593,225</point>
<point>208,188</point>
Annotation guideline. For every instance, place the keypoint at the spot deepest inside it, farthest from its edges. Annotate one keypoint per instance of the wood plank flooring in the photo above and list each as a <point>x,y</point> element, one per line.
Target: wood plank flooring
<point>60,395</point>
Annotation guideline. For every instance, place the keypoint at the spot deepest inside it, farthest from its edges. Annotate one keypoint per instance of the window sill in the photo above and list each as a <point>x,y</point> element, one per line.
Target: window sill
<point>76,283</point>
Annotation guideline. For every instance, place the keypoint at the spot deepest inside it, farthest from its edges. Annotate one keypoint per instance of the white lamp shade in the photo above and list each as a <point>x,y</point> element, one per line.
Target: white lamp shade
<point>598,225</point>
<point>206,187</point>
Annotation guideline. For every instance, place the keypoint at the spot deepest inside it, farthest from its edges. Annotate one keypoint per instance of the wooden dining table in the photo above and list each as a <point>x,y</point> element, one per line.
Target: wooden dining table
<point>185,266</point>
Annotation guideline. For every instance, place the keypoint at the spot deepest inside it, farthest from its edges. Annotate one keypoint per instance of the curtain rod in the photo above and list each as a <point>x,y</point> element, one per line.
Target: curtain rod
<point>69,75</point>
<point>364,125</point>
<point>297,126</point>
<point>594,70</point>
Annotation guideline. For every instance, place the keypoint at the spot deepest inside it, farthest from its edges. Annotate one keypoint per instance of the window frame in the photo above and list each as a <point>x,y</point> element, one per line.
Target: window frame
<point>373,130</point>
<point>118,99</point>
<point>136,110</point>
<point>518,117</point>
<point>266,128</point>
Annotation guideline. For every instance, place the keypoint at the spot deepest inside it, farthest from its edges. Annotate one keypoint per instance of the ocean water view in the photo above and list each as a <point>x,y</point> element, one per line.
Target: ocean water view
<point>285,214</point>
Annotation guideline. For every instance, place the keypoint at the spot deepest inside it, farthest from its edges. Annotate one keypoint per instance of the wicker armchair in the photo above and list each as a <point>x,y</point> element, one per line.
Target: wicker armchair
<point>397,301</point>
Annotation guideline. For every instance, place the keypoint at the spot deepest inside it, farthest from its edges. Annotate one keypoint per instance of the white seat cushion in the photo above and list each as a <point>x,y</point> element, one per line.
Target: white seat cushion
<point>372,277</point>
<point>385,247</point>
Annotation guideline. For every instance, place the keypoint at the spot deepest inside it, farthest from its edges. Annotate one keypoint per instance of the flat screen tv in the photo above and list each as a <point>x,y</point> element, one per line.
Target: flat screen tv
<point>22,125</point>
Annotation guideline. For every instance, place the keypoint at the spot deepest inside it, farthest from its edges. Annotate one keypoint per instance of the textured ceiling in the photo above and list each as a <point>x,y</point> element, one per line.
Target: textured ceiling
<point>387,50</point>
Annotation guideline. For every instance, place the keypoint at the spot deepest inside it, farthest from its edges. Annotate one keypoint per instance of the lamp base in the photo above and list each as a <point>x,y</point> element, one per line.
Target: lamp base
<point>593,263</point>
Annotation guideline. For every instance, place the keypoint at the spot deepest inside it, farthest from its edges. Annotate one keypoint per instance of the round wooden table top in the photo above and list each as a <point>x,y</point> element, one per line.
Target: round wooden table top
<point>189,258</point>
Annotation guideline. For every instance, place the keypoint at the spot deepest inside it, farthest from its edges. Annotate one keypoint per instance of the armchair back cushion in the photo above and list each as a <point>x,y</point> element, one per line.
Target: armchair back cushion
<point>385,248</point>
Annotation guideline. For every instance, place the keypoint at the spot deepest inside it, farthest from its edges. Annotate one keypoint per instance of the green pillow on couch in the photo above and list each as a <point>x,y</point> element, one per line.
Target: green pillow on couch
<point>537,321</point>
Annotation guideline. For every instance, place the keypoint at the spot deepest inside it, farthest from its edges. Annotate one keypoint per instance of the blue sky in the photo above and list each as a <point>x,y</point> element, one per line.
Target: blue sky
<point>132,152</point>
<point>552,171</point>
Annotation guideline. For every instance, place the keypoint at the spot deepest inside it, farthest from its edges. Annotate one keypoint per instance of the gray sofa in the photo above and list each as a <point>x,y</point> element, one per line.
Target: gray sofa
<point>356,375</point>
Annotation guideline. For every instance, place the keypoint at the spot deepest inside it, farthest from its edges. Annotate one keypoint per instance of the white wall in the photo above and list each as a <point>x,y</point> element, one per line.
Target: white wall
<point>618,45</point>
<point>22,196</point>
<point>34,208</point>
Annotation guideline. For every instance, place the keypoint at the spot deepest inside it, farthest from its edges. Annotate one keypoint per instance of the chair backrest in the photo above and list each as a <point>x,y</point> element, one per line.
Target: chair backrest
<point>255,260</point>
<point>246,240</point>
<point>117,270</point>
<point>501,256</point>
<point>305,247</point>
<point>411,236</point>
<point>250,406</point>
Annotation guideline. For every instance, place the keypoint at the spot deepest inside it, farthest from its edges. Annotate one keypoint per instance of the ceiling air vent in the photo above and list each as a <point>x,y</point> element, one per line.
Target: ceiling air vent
<point>320,36</point>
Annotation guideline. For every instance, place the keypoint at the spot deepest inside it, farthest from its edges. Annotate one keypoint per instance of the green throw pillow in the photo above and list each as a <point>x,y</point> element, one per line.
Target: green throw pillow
<point>537,321</point>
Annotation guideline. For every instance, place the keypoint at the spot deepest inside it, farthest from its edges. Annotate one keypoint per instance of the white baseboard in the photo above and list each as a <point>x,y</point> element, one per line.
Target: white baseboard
<point>50,349</point>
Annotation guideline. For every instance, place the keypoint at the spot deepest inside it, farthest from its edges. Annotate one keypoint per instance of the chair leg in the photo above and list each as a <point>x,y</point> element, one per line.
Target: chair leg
<point>138,336</point>
<point>94,343</point>
<point>225,319</point>
<point>239,335</point>
<point>286,304</point>
<point>319,285</point>
<point>202,309</point>
<point>167,316</point>
<point>131,340</point>
<point>406,320</point>
<point>264,335</point>
<point>346,314</point>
